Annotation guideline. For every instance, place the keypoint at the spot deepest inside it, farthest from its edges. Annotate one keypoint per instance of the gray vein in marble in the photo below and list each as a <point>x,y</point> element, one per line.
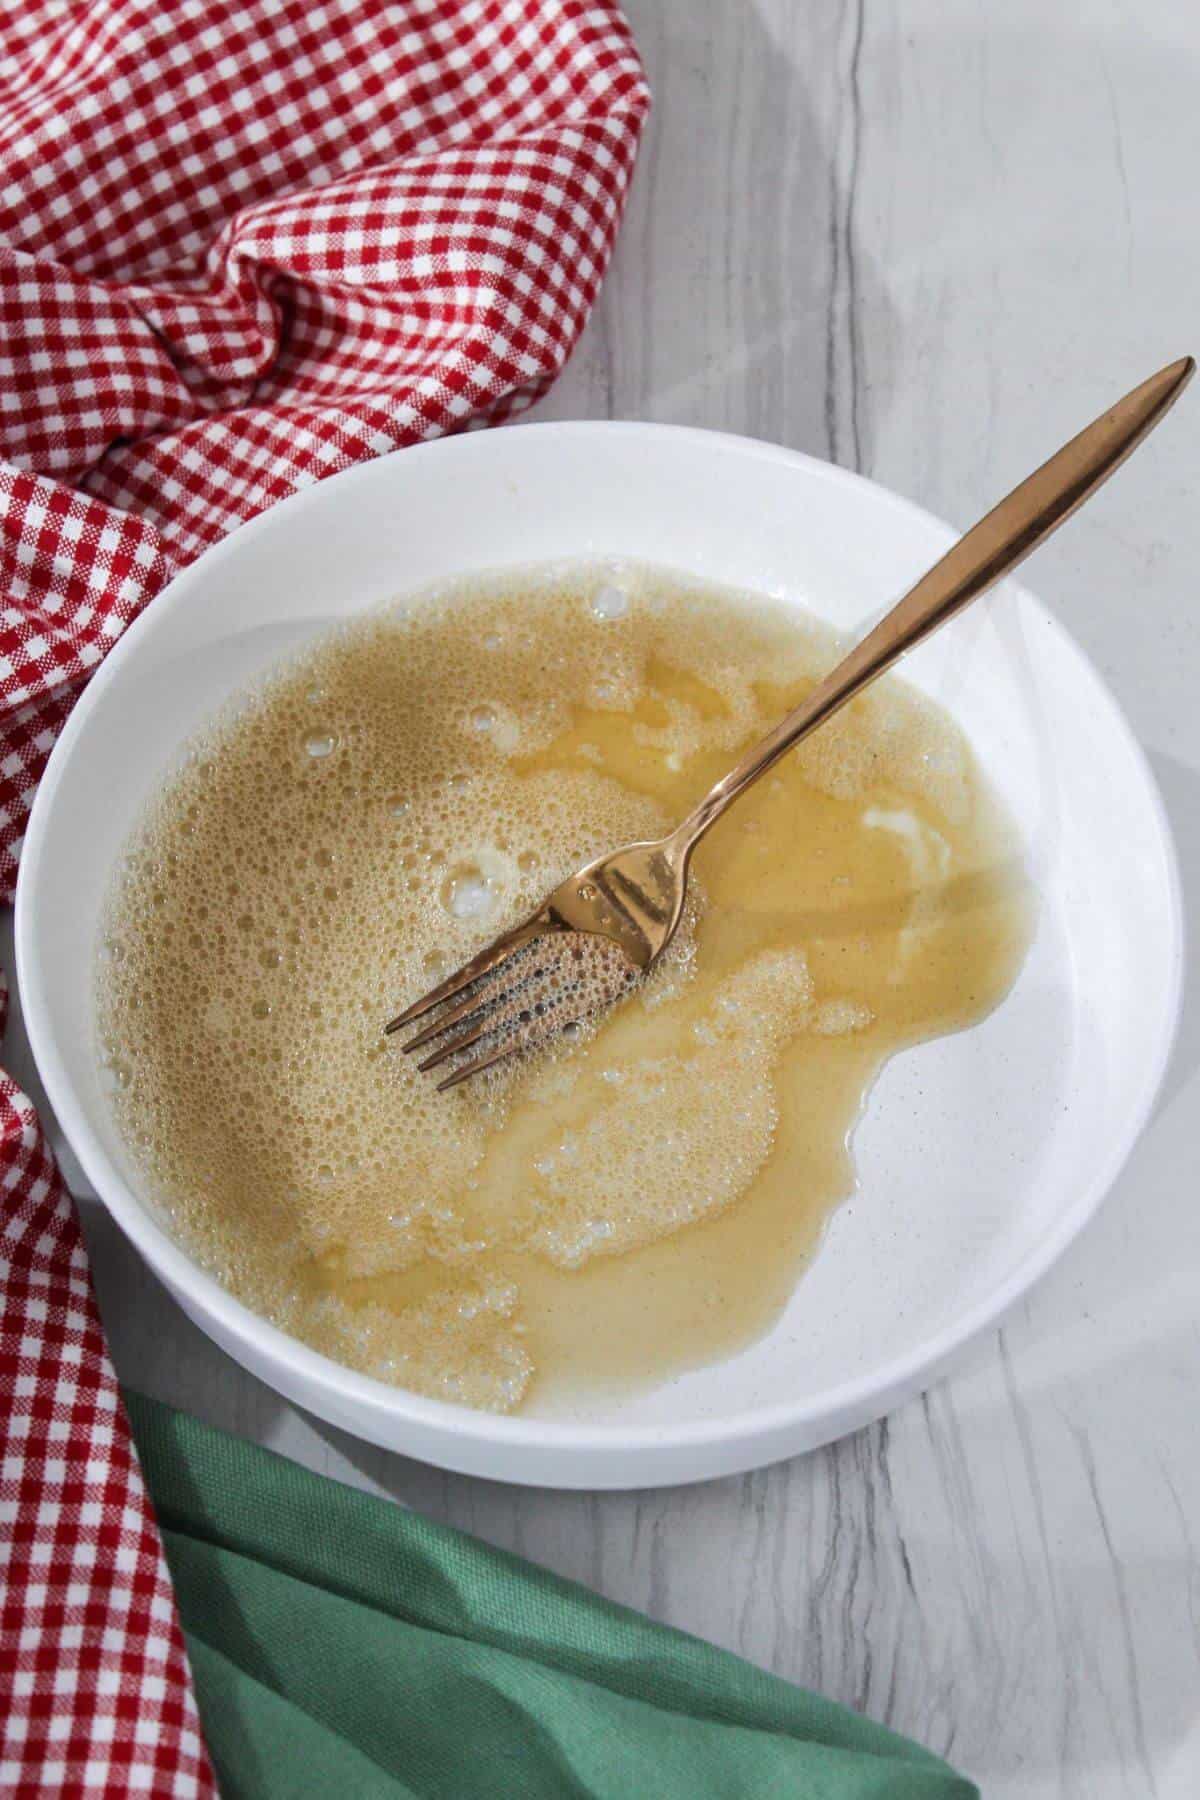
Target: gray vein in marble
<point>1193,1559</point>
<point>1121,1591</point>
<point>1118,140</point>
<point>841,329</point>
<point>885,1475</point>
<point>1024,1432</point>
<point>854,321</point>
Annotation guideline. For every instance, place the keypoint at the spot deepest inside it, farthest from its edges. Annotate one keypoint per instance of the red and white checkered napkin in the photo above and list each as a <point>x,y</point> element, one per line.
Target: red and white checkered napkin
<point>95,1694</point>
<point>243,245</point>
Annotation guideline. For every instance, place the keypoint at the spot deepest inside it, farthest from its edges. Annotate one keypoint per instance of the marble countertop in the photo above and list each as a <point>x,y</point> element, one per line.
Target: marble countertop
<point>926,240</point>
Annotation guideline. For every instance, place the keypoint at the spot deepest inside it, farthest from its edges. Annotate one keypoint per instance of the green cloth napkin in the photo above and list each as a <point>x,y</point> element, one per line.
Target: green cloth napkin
<point>343,1646</point>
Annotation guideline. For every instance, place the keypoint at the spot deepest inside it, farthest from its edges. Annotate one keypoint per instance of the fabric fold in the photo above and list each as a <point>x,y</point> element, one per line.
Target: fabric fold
<point>431,1656</point>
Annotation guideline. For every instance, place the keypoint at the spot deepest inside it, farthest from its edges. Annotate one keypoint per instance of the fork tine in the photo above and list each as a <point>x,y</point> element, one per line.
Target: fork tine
<point>471,971</point>
<point>512,998</point>
<point>453,1047</point>
<point>479,1064</point>
<point>566,976</point>
<point>492,988</point>
<point>464,1010</point>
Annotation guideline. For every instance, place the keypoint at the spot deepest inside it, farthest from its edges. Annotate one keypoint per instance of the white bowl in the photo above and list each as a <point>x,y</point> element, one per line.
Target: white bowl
<point>981,1154</point>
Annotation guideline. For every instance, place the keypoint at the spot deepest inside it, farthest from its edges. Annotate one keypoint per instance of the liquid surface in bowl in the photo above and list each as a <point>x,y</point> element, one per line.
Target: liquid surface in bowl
<point>642,1200</point>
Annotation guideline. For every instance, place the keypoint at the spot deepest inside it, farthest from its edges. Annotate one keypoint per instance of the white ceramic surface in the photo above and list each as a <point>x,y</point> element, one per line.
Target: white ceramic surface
<point>981,1155</point>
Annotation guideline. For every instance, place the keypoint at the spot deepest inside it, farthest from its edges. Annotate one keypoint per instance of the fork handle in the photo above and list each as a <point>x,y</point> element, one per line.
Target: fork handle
<point>987,553</point>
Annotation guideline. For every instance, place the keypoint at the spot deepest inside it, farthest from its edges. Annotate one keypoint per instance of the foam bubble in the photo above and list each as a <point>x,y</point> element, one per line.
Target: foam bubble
<point>467,893</point>
<point>268,920</point>
<point>609,602</point>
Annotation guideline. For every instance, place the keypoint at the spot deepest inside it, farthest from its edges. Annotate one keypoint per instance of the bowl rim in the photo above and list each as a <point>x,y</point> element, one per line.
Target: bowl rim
<point>449,1420</point>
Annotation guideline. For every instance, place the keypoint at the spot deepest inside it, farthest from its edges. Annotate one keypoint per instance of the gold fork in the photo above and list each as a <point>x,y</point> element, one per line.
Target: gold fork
<point>606,925</point>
